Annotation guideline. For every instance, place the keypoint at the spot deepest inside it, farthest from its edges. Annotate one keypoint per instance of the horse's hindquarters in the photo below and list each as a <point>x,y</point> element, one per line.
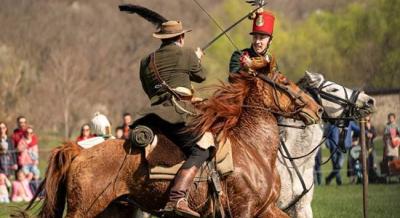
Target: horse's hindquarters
<point>99,175</point>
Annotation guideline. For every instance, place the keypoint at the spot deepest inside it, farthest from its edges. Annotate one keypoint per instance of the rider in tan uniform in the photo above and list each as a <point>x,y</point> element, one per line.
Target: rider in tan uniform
<point>166,77</point>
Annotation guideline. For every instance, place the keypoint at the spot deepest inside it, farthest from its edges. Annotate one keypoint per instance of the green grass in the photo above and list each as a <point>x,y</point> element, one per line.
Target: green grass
<point>329,201</point>
<point>346,201</point>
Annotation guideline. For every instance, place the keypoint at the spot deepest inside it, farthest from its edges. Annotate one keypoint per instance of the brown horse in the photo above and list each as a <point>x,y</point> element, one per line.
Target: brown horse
<point>243,112</point>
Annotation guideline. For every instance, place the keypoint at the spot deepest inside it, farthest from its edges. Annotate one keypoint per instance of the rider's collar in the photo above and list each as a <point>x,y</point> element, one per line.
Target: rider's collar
<point>169,44</point>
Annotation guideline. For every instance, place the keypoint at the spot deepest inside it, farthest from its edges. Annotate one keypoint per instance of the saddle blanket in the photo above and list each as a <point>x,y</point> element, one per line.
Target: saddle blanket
<point>91,142</point>
<point>162,170</point>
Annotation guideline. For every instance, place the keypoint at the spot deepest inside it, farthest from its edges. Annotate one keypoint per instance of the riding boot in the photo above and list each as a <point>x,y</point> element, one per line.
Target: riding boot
<point>178,194</point>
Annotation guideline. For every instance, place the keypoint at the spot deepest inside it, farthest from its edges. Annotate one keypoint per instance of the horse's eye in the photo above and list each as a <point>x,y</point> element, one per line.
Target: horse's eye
<point>333,90</point>
<point>284,81</point>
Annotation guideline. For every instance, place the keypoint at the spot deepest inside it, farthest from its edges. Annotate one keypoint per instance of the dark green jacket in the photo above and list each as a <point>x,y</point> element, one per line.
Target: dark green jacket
<point>234,64</point>
<point>178,67</point>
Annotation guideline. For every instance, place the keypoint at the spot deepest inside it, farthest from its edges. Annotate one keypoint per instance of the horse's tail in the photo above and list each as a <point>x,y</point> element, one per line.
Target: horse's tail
<point>54,186</point>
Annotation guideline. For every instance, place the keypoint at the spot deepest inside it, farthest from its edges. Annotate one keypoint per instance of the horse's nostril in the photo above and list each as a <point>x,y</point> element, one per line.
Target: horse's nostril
<point>320,111</point>
<point>371,102</point>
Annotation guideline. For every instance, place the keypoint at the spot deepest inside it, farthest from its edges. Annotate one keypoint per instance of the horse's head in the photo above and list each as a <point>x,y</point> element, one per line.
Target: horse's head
<point>269,93</point>
<point>337,101</point>
<point>285,98</point>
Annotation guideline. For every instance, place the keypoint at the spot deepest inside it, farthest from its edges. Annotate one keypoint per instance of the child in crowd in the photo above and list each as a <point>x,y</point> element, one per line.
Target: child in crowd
<point>119,133</point>
<point>4,186</point>
<point>20,188</point>
<point>34,183</point>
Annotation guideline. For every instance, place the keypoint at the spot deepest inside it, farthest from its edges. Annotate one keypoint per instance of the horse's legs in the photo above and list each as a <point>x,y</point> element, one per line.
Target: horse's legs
<point>89,208</point>
<point>120,209</point>
<point>272,212</point>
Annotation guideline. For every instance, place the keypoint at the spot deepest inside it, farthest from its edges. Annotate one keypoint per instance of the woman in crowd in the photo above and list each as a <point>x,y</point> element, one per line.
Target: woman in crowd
<point>85,133</point>
<point>8,157</point>
<point>20,188</point>
<point>28,157</point>
<point>391,140</point>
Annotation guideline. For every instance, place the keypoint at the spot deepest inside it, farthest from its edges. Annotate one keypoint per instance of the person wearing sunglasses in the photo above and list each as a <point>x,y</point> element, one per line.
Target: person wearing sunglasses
<point>86,133</point>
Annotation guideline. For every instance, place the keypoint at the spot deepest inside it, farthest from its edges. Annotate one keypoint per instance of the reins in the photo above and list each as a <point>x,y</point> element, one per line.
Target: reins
<point>305,155</point>
<point>303,184</point>
<point>294,166</point>
<point>276,86</point>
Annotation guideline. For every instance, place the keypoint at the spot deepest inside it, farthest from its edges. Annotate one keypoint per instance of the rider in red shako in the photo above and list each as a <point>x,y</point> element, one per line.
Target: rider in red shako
<point>257,56</point>
<point>263,23</point>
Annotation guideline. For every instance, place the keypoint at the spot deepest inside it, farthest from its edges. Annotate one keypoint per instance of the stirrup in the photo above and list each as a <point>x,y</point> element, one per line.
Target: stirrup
<point>174,211</point>
<point>184,213</point>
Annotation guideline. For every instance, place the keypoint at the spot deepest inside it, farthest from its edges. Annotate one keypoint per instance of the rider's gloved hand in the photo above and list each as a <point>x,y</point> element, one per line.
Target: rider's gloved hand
<point>245,60</point>
<point>199,53</point>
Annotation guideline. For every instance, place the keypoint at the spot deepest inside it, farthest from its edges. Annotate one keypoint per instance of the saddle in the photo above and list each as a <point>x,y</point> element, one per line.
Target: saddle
<point>165,166</point>
<point>165,158</point>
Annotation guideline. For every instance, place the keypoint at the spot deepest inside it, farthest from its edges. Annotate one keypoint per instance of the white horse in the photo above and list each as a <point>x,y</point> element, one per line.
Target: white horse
<point>301,141</point>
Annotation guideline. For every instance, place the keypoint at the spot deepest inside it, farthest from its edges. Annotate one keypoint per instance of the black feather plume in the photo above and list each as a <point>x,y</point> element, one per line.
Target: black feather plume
<point>151,16</point>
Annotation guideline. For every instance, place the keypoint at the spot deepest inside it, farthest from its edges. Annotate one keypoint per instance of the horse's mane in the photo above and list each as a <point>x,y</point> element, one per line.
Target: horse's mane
<point>222,110</point>
<point>303,83</point>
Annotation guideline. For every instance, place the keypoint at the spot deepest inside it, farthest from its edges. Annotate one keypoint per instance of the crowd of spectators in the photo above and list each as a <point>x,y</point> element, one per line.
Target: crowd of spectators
<point>19,157</point>
<point>121,132</point>
<point>19,162</point>
<point>351,145</point>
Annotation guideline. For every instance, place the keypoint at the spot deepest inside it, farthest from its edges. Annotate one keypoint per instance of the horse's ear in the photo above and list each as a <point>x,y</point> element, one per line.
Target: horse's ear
<point>307,74</point>
<point>315,79</point>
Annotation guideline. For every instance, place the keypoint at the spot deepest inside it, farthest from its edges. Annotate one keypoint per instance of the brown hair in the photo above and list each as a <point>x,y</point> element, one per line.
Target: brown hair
<point>85,124</point>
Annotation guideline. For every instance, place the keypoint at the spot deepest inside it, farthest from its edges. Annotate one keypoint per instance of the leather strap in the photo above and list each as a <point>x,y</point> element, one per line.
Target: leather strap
<point>153,68</point>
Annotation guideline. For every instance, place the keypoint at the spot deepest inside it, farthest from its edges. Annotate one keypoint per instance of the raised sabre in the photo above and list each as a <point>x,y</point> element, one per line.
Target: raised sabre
<point>230,27</point>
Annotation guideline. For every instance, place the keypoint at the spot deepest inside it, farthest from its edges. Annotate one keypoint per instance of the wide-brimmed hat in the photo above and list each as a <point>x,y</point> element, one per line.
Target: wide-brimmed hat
<point>170,29</point>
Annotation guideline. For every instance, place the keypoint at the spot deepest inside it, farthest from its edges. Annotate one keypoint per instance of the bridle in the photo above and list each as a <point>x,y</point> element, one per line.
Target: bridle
<point>299,101</point>
<point>348,114</point>
<point>350,109</point>
<point>348,103</point>
<point>342,121</point>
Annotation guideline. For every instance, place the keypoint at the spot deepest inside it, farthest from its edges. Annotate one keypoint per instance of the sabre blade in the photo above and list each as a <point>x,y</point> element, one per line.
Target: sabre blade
<point>207,45</point>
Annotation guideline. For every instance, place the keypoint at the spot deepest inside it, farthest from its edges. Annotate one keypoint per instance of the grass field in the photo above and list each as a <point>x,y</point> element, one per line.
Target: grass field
<point>346,201</point>
<point>332,202</point>
<point>329,201</point>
